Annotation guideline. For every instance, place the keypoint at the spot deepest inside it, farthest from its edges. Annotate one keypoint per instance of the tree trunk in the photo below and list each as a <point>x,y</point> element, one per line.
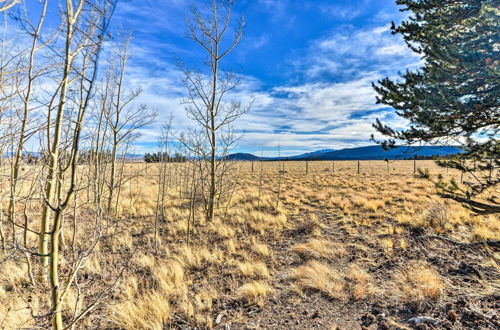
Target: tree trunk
<point>112,178</point>
<point>211,200</point>
<point>54,149</point>
<point>54,273</point>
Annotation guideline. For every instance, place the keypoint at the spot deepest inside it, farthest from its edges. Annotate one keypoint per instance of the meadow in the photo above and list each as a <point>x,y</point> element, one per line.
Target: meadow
<point>297,245</point>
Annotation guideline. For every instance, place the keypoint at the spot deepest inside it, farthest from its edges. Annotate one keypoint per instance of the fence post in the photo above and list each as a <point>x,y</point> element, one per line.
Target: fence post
<point>358,166</point>
<point>252,167</point>
<point>307,167</point>
<point>333,167</point>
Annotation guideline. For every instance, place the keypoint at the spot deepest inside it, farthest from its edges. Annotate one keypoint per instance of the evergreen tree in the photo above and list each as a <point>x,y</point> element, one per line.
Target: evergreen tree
<point>454,98</point>
<point>157,157</point>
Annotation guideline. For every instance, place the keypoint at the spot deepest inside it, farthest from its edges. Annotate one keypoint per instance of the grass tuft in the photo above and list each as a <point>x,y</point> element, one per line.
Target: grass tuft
<point>254,292</point>
<point>321,277</point>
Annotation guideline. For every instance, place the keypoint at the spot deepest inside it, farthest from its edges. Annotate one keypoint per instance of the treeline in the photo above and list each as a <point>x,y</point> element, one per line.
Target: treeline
<point>158,157</point>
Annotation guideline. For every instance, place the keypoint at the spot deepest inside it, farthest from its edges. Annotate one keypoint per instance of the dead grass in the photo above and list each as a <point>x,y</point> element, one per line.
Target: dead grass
<point>254,292</point>
<point>253,269</point>
<point>259,249</point>
<point>199,257</point>
<point>347,226</point>
<point>417,283</point>
<point>148,311</point>
<point>361,284</point>
<point>487,228</point>
<point>321,277</point>
<point>319,248</point>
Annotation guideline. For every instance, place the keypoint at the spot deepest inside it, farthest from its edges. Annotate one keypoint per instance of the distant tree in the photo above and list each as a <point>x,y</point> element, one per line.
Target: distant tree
<point>454,97</point>
<point>178,158</point>
<point>157,157</point>
<point>88,156</point>
<point>30,158</point>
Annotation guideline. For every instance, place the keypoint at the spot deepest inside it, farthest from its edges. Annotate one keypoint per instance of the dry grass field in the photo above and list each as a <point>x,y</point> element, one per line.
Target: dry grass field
<point>330,249</point>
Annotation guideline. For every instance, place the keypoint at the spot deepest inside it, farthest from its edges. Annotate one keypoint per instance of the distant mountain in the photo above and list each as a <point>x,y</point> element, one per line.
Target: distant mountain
<point>362,153</point>
<point>243,156</point>
<point>134,156</point>
<point>378,153</point>
<point>312,154</point>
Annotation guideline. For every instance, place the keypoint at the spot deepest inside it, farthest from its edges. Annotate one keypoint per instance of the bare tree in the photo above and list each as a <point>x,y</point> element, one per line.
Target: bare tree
<point>85,24</point>
<point>164,178</point>
<point>9,77</point>
<point>207,91</point>
<point>7,4</point>
<point>31,71</point>
<point>123,118</point>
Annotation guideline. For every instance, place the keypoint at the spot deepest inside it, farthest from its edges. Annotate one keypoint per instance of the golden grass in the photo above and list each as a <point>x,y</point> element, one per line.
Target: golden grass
<point>230,246</point>
<point>254,292</point>
<point>319,248</point>
<point>199,257</point>
<point>319,276</point>
<point>487,228</point>
<point>361,283</point>
<point>253,269</point>
<point>15,279</point>
<point>170,278</point>
<point>417,283</point>
<point>368,204</point>
<point>387,244</point>
<point>14,311</point>
<point>148,311</point>
<point>259,249</point>
<point>236,256</point>
<point>221,229</point>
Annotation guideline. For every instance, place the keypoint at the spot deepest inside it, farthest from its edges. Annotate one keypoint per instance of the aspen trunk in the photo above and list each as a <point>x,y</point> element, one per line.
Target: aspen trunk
<point>54,147</point>
<point>24,122</point>
<point>213,141</point>
<point>54,273</point>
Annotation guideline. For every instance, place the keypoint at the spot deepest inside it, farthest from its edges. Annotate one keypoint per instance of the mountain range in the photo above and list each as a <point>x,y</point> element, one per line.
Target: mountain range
<point>375,152</point>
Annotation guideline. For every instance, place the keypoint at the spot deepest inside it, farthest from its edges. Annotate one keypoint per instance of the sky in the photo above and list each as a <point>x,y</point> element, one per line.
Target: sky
<point>307,66</point>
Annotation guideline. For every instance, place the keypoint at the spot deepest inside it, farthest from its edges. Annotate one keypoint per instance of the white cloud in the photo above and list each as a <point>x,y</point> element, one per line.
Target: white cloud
<point>395,49</point>
<point>257,42</point>
<point>298,117</point>
<point>341,12</point>
<point>332,105</point>
<point>354,52</point>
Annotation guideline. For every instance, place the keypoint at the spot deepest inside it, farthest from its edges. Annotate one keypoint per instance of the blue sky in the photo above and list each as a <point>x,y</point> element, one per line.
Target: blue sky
<point>307,65</point>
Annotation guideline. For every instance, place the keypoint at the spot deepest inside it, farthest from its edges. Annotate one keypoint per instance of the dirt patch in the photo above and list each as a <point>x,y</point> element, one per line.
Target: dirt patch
<point>469,298</point>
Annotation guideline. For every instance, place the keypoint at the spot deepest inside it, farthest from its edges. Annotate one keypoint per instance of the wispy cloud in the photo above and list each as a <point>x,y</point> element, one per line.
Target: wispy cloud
<point>353,52</point>
<point>329,102</point>
<point>277,8</point>
<point>314,116</point>
<point>345,13</point>
<point>257,42</point>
